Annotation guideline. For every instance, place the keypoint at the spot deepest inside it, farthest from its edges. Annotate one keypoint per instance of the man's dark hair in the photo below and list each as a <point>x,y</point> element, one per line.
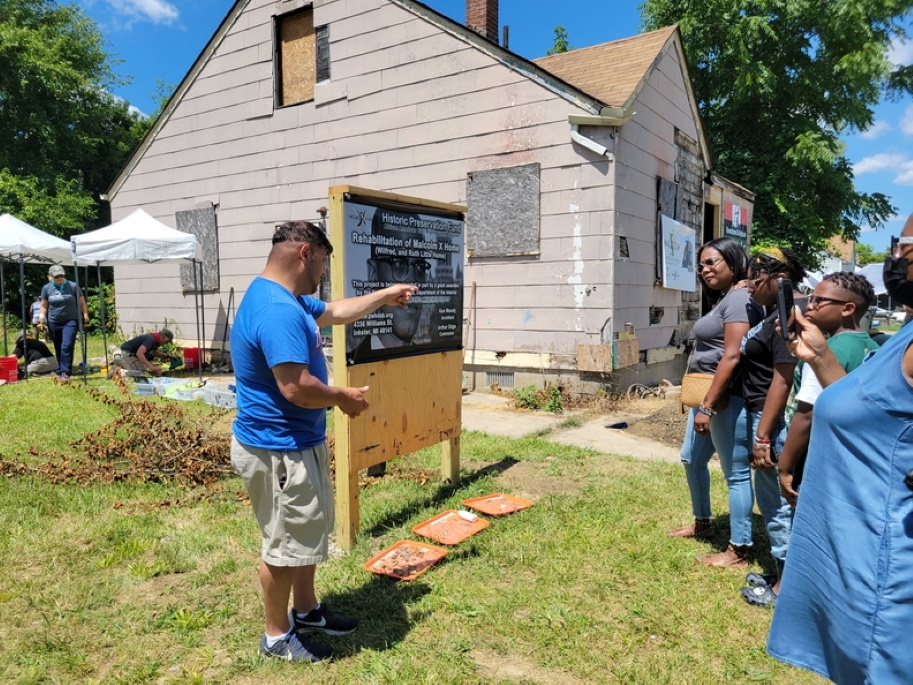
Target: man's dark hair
<point>165,333</point>
<point>858,286</point>
<point>302,232</point>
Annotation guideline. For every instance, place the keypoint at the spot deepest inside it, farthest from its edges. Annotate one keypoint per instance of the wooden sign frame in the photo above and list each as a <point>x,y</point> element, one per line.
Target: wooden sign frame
<point>415,401</point>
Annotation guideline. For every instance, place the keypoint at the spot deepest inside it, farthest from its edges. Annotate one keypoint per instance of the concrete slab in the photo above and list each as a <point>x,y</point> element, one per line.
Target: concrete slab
<point>594,435</point>
<point>493,414</point>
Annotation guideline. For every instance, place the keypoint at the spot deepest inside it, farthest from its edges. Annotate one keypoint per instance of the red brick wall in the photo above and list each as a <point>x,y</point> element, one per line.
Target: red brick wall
<point>482,16</point>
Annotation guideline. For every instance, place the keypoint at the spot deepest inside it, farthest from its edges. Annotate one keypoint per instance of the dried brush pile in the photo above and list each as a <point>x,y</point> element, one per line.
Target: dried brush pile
<point>149,442</point>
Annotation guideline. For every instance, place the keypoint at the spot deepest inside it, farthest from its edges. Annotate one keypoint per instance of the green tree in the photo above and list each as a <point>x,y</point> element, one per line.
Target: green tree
<point>65,137</point>
<point>777,83</point>
<point>561,42</point>
<point>866,255</point>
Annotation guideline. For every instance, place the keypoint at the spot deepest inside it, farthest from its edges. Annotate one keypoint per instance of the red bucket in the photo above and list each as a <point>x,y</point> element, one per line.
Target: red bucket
<point>191,357</point>
<point>9,370</point>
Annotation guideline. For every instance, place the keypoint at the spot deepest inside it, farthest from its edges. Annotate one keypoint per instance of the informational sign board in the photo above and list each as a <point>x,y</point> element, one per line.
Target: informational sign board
<point>412,364</point>
<point>679,259</point>
<point>388,243</point>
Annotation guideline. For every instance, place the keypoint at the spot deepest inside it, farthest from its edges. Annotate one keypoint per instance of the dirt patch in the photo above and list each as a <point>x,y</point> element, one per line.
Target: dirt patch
<point>532,480</point>
<point>665,423</point>
<point>513,668</point>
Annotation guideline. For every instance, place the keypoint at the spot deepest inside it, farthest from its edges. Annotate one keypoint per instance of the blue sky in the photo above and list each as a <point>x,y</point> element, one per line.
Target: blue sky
<point>160,39</point>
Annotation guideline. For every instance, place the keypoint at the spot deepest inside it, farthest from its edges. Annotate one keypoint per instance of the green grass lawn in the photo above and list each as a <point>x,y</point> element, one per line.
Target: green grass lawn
<point>150,582</point>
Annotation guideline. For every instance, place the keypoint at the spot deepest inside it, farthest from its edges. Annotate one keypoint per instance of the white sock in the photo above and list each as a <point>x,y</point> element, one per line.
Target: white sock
<point>301,616</point>
<point>272,640</point>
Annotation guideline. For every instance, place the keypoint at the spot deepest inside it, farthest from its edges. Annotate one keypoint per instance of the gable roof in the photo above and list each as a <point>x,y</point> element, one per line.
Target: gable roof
<point>616,72</point>
<point>612,72</point>
<point>585,77</point>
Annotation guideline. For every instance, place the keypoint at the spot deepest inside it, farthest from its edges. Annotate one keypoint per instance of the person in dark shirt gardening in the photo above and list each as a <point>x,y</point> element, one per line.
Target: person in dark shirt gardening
<point>137,354</point>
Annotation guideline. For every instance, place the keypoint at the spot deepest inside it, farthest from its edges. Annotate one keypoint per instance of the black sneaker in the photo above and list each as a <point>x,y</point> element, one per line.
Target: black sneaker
<point>292,649</point>
<point>322,620</point>
<point>761,579</point>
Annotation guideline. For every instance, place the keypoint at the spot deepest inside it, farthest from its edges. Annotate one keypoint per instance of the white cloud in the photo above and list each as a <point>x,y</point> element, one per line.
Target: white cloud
<point>879,162</point>
<point>905,177</point>
<point>875,130</point>
<point>906,121</point>
<point>154,11</point>
<point>901,52</point>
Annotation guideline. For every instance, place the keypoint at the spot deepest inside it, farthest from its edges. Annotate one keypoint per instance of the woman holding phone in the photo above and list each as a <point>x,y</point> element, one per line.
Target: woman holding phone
<point>717,338</point>
<point>847,604</point>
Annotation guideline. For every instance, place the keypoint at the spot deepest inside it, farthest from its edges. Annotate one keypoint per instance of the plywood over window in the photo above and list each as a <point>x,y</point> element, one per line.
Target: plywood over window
<point>297,62</point>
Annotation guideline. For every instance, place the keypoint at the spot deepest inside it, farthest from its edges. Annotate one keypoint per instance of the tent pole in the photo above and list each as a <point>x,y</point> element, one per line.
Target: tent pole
<point>81,328</point>
<point>196,305</point>
<point>101,310</point>
<point>25,353</point>
<point>3,306</point>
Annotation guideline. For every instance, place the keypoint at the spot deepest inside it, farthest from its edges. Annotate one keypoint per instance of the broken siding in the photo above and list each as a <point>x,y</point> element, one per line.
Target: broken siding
<point>646,150</point>
<point>412,110</point>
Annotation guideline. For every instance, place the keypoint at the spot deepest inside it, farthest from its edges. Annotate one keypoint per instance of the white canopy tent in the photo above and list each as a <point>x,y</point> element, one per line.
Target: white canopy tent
<point>875,275</point>
<point>139,238</point>
<point>136,239</point>
<point>25,244</point>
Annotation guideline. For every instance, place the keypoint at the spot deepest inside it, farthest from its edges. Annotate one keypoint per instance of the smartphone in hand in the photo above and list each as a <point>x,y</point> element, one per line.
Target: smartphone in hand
<point>784,305</point>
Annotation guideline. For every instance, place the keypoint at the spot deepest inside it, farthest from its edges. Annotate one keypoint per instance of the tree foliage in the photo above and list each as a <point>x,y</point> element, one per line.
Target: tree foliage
<point>777,83</point>
<point>65,137</point>
<point>866,255</point>
<point>561,43</point>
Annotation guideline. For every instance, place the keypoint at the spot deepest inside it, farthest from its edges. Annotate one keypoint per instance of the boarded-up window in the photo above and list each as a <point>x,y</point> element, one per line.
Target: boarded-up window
<point>323,53</point>
<point>503,216</point>
<point>297,67</point>
<point>202,224</point>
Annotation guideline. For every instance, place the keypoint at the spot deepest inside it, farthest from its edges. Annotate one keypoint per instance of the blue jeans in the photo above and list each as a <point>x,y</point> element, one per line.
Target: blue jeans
<point>64,337</point>
<point>695,455</point>
<point>729,430</point>
<point>778,515</point>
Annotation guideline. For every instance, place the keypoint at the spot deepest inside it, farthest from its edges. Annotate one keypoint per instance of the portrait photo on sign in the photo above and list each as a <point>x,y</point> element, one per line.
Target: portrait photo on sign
<point>388,246</point>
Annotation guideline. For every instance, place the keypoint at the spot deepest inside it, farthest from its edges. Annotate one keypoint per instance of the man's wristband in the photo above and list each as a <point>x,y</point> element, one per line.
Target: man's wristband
<point>706,411</point>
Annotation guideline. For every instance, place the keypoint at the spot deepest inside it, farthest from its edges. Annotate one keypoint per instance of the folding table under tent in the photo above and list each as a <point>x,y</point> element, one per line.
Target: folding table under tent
<point>140,239</point>
<point>24,243</point>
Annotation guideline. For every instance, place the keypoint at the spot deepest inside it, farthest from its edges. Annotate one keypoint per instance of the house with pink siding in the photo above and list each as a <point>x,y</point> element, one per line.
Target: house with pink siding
<point>564,165</point>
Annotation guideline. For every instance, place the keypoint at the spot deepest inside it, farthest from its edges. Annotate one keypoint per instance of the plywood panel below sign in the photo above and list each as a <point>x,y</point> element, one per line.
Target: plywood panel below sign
<point>414,402</point>
<point>596,358</point>
<point>627,352</point>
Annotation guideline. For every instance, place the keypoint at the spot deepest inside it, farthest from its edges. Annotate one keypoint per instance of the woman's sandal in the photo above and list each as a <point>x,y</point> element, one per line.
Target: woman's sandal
<point>733,557</point>
<point>701,529</point>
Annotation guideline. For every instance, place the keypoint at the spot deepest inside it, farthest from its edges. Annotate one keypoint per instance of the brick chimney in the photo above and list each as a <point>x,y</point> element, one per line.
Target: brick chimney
<point>482,17</point>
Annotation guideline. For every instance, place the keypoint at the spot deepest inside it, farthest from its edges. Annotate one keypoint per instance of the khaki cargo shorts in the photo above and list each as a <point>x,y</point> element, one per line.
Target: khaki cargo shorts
<point>291,494</point>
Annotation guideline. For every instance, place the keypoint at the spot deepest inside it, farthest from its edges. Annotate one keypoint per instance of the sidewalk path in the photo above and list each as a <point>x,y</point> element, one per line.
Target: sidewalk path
<point>493,414</point>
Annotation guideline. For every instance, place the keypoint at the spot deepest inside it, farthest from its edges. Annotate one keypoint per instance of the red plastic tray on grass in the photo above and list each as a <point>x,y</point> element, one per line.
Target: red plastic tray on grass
<point>497,504</point>
<point>449,528</point>
<point>406,560</point>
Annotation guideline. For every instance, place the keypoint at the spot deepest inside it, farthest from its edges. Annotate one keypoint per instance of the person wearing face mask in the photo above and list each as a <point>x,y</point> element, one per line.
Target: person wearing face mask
<point>61,303</point>
<point>846,598</point>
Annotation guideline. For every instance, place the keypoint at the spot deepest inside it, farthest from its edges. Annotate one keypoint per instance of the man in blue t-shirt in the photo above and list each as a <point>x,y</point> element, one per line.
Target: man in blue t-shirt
<point>279,445</point>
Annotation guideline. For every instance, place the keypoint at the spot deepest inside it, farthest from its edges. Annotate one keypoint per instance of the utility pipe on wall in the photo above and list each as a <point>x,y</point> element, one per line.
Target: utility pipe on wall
<point>588,143</point>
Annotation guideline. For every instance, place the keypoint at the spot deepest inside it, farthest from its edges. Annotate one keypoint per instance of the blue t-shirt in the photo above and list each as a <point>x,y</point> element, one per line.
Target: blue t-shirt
<point>274,327</point>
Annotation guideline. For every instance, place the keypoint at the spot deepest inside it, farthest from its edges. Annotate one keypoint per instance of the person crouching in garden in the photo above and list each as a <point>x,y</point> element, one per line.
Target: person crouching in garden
<point>137,353</point>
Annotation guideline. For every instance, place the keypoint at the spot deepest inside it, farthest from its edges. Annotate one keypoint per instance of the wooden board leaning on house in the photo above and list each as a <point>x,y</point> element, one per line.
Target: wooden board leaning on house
<point>603,358</point>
